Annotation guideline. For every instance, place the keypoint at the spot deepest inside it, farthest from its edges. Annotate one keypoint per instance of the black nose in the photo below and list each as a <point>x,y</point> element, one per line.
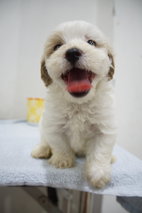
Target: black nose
<point>73,55</point>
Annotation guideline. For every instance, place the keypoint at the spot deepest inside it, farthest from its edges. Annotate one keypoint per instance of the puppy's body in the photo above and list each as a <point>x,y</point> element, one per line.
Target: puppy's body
<point>78,122</point>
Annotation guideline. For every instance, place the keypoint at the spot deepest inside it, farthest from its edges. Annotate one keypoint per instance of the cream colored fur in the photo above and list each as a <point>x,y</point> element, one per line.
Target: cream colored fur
<point>82,126</point>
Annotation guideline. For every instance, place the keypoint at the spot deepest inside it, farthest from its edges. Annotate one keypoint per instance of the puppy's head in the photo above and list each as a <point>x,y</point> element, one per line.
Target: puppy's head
<point>76,57</point>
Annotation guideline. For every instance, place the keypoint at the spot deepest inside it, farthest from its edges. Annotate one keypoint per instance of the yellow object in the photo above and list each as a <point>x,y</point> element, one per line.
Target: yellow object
<point>35,108</point>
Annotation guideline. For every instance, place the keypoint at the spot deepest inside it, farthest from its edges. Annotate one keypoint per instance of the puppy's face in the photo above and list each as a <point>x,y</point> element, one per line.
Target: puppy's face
<point>76,58</point>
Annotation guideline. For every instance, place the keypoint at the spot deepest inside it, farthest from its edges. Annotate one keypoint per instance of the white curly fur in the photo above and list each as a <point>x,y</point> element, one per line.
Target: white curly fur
<point>82,126</point>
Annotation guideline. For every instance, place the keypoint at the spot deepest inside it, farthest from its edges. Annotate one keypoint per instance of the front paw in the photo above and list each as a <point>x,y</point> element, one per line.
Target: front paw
<point>62,160</point>
<point>99,175</point>
<point>41,151</point>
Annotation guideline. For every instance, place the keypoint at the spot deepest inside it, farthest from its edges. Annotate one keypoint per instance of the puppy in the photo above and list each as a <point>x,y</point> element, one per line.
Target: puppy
<point>77,67</point>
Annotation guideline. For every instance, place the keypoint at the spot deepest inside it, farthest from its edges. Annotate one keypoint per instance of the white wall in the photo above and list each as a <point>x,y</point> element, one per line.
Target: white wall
<point>128,49</point>
<point>9,45</point>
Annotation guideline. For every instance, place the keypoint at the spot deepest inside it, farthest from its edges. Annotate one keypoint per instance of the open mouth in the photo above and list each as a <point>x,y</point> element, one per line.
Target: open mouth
<point>78,81</point>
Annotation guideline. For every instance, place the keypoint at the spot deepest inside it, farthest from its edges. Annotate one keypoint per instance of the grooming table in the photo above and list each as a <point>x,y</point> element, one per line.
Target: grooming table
<point>18,168</point>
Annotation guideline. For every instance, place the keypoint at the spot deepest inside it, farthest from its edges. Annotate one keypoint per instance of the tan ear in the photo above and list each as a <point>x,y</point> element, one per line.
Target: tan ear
<point>112,67</point>
<point>44,74</point>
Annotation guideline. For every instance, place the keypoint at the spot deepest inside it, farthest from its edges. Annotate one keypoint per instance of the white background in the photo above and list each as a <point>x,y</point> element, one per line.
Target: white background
<point>24,27</point>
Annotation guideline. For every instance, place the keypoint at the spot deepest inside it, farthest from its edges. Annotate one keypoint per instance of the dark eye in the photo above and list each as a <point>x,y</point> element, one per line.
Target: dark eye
<point>57,46</point>
<point>91,42</point>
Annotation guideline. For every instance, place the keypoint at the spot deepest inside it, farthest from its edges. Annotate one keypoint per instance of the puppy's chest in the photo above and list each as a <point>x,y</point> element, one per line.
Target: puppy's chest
<point>79,122</point>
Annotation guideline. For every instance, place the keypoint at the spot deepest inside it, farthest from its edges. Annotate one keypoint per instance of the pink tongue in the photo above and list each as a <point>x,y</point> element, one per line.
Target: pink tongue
<point>78,81</point>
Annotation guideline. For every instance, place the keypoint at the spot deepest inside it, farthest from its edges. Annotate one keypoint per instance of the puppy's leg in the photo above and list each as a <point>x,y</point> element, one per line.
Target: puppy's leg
<point>98,160</point>
<point>62,154</point>
<point>42,150</point>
